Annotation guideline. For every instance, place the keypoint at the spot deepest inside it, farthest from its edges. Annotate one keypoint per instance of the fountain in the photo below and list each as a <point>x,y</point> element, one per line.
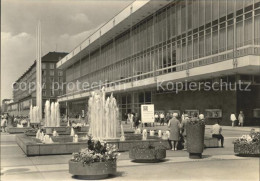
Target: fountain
<point>103,116</point>
<point>52,117</point>
<point>47,113</point>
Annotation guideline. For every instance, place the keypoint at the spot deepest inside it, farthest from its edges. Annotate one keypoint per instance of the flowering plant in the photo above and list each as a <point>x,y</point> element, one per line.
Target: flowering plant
<point>96,152</point>
<point>253,137</point>
<point>196,121</point>
<point>78,125</point>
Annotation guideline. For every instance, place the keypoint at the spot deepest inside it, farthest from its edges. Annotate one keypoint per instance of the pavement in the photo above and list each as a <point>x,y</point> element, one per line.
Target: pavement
<point>216,164</point>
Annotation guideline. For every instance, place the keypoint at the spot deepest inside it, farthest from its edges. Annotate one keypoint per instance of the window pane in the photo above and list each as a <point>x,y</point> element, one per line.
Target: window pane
<point>230,37</point>
<point>257,30</point>
<point>248,31</point>
<point>202,12</point>
<point>215,9</point>
<point>208,11</point>
<point>195,13</point>
<point>239,34</point>
<point>222,39</point>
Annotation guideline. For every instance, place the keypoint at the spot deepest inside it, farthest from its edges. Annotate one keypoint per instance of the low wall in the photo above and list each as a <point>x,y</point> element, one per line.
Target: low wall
<point>15,130</point>
<point>32,148</point>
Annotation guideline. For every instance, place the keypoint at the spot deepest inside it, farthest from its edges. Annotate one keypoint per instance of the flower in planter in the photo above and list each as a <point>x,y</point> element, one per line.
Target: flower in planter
<point>96,151</point>
<point>147,152</point>
<point>253,137</point>
<point>197,121</point>
<point>248,144</point>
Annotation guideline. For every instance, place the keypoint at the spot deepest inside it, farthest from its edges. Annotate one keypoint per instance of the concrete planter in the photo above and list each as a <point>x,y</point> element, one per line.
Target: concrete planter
<point>77,130</point>
<point>96,170</point>
<point>147,155</point>
<point>245,149</point>
<point>195,140</point>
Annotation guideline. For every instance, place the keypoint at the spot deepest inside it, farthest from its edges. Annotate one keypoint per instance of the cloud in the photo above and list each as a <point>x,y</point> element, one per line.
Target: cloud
<point>15,58</point>
<point>80,18</point>
<point>69,42</point>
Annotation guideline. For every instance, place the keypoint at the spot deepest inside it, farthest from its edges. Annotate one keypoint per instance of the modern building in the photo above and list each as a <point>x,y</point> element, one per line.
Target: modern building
<point>146,51</point>
<point>24,89</point>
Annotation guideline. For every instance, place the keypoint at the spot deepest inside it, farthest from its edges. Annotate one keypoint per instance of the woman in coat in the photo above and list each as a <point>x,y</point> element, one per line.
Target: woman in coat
<point>174,125</point>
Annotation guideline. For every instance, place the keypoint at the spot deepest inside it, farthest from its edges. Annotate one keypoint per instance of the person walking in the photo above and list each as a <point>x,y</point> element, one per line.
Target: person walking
<point>3,123</point>
<point>136,120</point>
<point>233,119</point>
<point>161,118</point>
<point>183,129</point>
<point>131,120</point>
<point>174,125</point>
<point>216,133</point>
<point>241,118</point>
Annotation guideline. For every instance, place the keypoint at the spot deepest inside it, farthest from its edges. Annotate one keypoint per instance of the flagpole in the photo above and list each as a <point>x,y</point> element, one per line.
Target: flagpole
<point>38,72</point>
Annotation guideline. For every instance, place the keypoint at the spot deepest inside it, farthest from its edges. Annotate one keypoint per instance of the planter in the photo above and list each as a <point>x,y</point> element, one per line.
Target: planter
<point>96,170</point>
<point>195,140</point>
<point>245,149</point>
<point>76,130</point>
<point>147,155</point>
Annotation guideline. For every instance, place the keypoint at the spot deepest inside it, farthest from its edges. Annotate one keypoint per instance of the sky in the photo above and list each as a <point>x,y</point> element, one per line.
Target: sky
<point>65,24</point>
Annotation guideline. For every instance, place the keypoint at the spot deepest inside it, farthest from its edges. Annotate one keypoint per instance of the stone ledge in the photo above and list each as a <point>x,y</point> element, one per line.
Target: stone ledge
<point>30,146</point>
<point>14,130</point>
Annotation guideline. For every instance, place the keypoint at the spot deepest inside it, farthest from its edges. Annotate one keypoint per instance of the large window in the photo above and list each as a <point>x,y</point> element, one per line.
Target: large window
<point>182,31</point>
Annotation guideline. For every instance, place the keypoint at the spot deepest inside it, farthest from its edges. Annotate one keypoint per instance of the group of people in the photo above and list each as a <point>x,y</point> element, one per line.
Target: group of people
<point>241,118</point>
<point>161,118</point>
<point>178,127</point>
<point>134,119</point>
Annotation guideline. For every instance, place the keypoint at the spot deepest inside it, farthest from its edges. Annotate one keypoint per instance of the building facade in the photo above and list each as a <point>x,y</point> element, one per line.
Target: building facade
<point>151,49</point>
<point>24,89</point>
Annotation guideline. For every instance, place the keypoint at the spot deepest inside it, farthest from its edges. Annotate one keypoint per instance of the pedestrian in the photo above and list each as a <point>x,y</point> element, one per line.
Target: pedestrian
<point>241,118</point>
<point>162,118</point>
<point>156,117</point>
<point>3,123</point>
<point>233,119</point>
<point>174,125</point>
<point>131,120</point>
<point>168,117</point>
<point>216,133</point>
<point>184,128</point>
<point>136,120</point>
<point>125,118</point>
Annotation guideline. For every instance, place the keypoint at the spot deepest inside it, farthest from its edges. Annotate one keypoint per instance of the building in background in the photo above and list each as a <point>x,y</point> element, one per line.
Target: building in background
<point>24,89</point>
<point>5,103</point>
<point>152,44</point>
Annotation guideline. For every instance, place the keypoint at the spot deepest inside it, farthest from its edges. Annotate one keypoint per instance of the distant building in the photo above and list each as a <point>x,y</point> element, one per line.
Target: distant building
<point>5,103</point>
<point>24,89</point>
<point>142,52</point>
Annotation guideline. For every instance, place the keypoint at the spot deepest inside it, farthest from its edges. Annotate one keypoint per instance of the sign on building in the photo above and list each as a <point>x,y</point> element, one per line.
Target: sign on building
<point>147,113</point>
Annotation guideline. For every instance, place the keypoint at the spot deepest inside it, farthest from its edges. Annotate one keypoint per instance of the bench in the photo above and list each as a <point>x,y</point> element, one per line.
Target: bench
<point>211,142</point>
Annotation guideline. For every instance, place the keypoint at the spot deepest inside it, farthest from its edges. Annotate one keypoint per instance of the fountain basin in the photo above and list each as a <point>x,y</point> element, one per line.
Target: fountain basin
<point>63,145</point>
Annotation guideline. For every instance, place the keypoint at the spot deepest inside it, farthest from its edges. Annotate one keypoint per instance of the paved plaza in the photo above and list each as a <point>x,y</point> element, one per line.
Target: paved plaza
<point>216,164</point>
